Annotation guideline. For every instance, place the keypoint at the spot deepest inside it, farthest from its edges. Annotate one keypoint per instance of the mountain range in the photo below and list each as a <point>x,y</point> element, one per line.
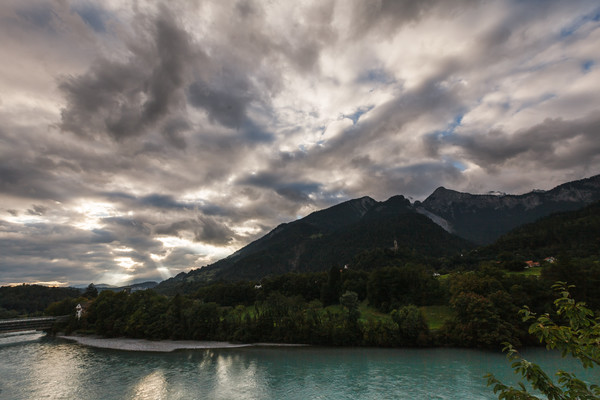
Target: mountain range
<point>445,224</point>
<point>483,218</point>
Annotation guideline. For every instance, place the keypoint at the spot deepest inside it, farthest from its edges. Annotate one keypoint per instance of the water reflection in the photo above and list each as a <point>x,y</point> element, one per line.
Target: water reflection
<point>53,369</point>
<point>152,386</point>
<point>236,376</point>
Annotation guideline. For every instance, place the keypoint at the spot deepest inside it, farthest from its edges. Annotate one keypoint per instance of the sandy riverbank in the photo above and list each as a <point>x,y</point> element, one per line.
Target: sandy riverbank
<point>163,346</point>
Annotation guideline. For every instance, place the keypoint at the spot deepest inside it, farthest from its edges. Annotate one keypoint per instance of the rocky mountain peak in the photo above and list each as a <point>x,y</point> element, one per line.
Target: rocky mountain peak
<point>482,218</point>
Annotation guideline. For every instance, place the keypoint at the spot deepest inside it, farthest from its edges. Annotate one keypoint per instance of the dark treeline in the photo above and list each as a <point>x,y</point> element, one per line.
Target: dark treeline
<point>377,307</point>
<point>31,300</point>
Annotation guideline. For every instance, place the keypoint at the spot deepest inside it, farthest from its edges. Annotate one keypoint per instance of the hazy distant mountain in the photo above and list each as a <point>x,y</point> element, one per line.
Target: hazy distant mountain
<point>333,237</point>
<point>483,218</point>
<point>143,285</point>
<point>99,286</point>
<point>133,287</point>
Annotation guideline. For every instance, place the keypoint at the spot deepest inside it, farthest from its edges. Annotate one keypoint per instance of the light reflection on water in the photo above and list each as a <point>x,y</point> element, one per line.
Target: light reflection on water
<point>54,369</point>
<point>151,386</point>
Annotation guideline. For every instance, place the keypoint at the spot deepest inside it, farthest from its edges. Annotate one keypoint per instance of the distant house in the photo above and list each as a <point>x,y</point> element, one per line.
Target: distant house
<point>80,309</point>
<point>531,264</point>
<point>550,260</point>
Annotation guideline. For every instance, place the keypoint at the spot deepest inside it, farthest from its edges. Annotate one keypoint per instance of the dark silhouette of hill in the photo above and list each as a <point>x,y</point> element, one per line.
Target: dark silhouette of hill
<point>332,237</point>
<point>443,225</point>
<point>574,234</point>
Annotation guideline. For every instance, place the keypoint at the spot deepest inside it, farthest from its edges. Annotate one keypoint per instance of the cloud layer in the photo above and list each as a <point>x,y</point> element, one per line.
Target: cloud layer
<point>141,140</point>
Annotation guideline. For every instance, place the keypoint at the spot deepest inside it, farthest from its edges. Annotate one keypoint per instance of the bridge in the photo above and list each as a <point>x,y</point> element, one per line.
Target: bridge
<point>29,324</point>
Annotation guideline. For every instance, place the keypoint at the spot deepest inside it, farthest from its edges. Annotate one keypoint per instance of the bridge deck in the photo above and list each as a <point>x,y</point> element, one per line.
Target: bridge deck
<point>27,324</point>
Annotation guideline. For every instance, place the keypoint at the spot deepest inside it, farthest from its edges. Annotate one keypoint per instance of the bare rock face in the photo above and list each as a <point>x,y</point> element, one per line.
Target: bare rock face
<point>482,218</point>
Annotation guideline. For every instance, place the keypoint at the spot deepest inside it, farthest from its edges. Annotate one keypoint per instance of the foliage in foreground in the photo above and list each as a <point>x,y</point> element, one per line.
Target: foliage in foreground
<point>578,334</point>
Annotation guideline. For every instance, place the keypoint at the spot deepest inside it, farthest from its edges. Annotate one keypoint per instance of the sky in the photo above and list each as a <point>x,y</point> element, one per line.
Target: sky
<point>143,139</point>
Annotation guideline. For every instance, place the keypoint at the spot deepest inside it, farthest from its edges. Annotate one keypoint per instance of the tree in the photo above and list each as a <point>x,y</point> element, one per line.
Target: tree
<point>350,301</point>
<point>330,291</point>
<point>578,336</point>
<point>412,326</point>
<point>91,292</point>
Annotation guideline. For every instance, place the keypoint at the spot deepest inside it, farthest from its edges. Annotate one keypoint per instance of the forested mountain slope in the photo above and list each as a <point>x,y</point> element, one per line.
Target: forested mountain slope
<point>575,234</point>
<point>333,237</point>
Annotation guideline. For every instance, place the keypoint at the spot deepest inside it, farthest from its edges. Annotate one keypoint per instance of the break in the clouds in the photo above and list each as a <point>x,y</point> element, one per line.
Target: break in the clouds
<point>139,140</point>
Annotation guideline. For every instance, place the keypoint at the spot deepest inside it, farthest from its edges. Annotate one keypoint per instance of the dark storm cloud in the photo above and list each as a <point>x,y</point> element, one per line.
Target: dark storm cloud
<point>180,259</point>
<point>384,17</point>
<point>125,99</point>
<point>213,232</point>
<point>24,179</point>
<point>129,98</point>
<point>204,229</point>
<point>162,202</point>
<point>35,246</point>
<point>294,191</point>
<point>131,232</point>
<point>173,131</point>
<point>226,108</point>
<point>37,209</point>
<point>555,142</point>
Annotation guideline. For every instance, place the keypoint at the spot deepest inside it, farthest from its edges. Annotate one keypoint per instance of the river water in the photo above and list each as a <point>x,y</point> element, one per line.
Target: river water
<point>37,367</point>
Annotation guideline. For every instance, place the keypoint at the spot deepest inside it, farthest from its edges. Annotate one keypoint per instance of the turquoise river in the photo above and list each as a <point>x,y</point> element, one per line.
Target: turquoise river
<point>37,367</point>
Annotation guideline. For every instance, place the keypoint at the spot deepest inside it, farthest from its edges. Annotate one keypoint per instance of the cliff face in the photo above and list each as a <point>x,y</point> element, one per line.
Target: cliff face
<point>483,218</point>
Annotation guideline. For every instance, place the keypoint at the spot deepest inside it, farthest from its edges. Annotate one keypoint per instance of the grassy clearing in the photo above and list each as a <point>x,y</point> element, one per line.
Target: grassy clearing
<point>370,313</point>
<point>366,312</point>
<point>437,315</point>
<point>533,271</point>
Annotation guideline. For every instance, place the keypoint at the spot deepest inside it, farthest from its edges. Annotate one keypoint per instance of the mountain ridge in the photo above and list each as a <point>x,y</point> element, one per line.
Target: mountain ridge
<point>444,224</point>
<point>333,236</point>
<point>483,218</point>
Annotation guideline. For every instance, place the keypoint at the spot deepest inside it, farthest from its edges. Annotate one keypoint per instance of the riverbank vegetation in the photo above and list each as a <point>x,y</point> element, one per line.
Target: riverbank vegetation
<point>406,305</point>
